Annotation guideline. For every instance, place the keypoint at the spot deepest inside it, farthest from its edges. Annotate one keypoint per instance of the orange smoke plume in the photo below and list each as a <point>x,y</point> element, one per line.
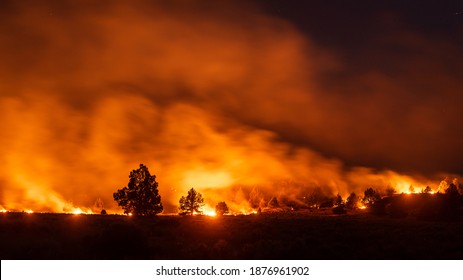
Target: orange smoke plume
<point>230,107</point>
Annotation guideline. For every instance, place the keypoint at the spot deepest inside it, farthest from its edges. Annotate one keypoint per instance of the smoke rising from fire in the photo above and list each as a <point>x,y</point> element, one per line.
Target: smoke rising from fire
<point>219,97</point>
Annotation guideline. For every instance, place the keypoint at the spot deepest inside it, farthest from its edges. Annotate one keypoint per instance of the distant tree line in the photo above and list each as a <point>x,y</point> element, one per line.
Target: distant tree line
<point>141,198</point>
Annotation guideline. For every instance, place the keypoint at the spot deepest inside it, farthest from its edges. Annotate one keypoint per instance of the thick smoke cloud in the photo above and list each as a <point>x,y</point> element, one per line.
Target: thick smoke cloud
<point>220,97</point>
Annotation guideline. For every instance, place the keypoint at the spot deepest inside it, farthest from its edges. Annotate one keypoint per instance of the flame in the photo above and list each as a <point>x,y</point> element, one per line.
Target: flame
<point>208,210</point>
<point>243,212</point>
<point>29,211</point>
<point>211,213</point>
<point>78,211</point>
<point>360,205</point>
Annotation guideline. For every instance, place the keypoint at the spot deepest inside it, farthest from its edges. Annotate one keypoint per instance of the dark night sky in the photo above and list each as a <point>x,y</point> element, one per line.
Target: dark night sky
<point>383,37</point>
<point>357,23</point>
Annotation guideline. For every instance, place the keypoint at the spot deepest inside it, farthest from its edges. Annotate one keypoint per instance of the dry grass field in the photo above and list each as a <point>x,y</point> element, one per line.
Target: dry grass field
<point>296,235</point>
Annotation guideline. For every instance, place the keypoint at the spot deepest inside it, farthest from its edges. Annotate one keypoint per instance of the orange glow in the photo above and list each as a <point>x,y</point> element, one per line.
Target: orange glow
<point>360,205</point>
<point>130,214</point>
<point>151,89</point>
<point>210,213</point>
<point>207,179</point>
<point>409,185</point>
<point>29,211</point>
<point>78,211</point>
<point>244,212</point>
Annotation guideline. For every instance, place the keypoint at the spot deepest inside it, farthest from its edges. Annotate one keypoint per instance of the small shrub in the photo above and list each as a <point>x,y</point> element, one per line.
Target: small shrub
<point>221,208</point>
<point>339,210</point>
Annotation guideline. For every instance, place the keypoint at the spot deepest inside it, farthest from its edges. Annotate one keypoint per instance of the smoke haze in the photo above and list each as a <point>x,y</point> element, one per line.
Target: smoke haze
<point>222,97</point>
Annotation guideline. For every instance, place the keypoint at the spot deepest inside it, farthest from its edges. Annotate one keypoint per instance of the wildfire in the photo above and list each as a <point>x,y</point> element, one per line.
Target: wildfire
<point>408,185</point>
<point>207,210</point>
<point>79,211</point>
<point>243,212</point>
<point>211,213</point>
<point>29,211</point>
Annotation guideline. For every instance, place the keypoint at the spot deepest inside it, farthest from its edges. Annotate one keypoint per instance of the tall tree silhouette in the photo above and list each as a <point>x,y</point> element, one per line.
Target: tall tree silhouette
<point>338,200</point>
<point>192,203</point>
<point>426,190</point>
<point>351,201</point>
<point>141,196</point>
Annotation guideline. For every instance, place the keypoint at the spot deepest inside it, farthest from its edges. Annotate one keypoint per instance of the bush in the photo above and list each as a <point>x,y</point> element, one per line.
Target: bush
<point>339,210</point>
<point>221,208</point>
<point>352,201</point>
<point>398,209</point>
<point>370,197</point>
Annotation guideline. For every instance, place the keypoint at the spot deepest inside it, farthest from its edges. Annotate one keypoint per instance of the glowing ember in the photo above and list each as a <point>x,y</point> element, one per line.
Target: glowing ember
<point>29,211</point>
<point>130,214</point>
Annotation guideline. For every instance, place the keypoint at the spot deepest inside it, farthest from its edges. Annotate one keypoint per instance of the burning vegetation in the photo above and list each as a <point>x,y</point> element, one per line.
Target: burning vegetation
<point>271,227</point>
<point>141,197</point>
<point>426,203</point>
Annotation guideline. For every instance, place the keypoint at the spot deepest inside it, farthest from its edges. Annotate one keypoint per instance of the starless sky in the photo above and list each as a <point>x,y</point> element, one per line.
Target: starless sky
<point>401,62</point>
<point>213,94</point>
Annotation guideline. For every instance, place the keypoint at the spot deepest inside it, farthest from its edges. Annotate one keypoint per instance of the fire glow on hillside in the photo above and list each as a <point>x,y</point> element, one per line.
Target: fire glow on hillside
<point>239,109</point>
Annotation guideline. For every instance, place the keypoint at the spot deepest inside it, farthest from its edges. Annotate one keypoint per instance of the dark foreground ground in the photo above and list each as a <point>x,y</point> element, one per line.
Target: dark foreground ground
<point>265,236</point>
